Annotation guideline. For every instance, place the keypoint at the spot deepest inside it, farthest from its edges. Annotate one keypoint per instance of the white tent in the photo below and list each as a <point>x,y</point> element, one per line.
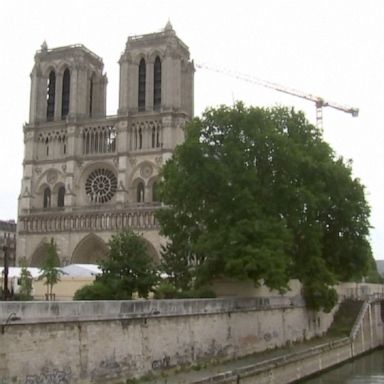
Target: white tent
<point>72,270</point>
<point>80,270</point>
<point>16,272</point>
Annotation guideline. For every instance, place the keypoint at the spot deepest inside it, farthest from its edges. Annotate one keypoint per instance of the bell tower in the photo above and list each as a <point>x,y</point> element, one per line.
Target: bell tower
<point>156,74</point>
<point>156,85</point>
<point>66,82</point>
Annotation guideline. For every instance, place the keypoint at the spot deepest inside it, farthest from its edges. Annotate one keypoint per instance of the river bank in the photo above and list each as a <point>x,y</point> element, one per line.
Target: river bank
<point>295,361</point>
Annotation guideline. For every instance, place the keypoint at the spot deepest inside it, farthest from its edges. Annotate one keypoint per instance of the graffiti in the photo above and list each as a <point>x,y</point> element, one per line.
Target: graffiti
<point>110,365</point>
<point>107,368</point>
<point>217,350</point>
<point>269,336</point>
<point>183,360</point>
<point>163,363</point>
<point>54,377</point>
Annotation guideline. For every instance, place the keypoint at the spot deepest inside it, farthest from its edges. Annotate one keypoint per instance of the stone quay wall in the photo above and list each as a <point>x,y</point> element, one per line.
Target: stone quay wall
<point>110,341</point>
<point>366,335</point>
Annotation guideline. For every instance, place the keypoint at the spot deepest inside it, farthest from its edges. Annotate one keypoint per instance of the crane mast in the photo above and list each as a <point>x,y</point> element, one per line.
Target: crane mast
<point>319,101</point>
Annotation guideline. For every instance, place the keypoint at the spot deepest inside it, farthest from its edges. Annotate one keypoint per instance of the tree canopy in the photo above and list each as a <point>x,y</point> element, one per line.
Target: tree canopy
<point>257,193</point>
<point>128,269</point>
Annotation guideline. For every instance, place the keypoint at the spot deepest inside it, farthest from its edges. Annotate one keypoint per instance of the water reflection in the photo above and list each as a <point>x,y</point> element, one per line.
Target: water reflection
<point>368,369</point>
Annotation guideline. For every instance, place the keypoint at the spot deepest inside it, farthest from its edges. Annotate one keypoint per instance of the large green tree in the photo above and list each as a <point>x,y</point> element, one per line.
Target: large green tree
<point>257,193</point>
<point>128,269</point>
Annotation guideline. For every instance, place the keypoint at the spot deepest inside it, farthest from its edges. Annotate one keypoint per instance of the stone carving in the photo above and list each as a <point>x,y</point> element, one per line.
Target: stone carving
<point>51,177</point>
<point>133,161</point>
<point>134,218</point>
<point>44,46</point>
<point>146,170</point>
<point>26,192</point>
<point>122,187</point>
<point>101,185</point>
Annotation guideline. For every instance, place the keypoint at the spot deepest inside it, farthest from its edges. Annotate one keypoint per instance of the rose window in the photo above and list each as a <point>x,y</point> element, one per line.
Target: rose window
<point>101,185</point>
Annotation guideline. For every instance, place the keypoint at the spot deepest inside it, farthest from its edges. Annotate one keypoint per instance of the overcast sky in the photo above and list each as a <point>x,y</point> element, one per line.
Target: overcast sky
<point>331,48</point>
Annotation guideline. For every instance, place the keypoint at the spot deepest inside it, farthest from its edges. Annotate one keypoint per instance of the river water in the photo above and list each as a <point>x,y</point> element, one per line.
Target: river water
<point>368,369</point>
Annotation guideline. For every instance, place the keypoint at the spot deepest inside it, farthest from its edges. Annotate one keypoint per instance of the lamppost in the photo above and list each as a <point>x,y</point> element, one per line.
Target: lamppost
<point>5,290</point>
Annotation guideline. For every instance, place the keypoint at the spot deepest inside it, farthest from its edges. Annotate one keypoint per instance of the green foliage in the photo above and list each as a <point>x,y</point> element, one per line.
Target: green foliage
<point>257,194</point>
<point>129,269</point>
<point>25,292</point>
<point>49,270</point>
<point>198,293</point>
<point>167,290</point>
<point>175,264</point>
<point>373,276</point>
<point>319,296</point>
<point>95,291</point>
<point>345,318</point>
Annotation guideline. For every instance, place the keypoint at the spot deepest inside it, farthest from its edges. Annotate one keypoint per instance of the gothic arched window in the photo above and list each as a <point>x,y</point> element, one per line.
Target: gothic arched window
<point>157,84</point>
<point>47,198</point>
<point>140,138</point>
<point>91,90</point>
<point>101,185</point>
<point>153,137</point>
<point>60,196</point>
<point>140,192</point>
<point>51,89</point>
<point>142,80</point>
<point>47,146</point>
<point>65,94</point>
<point>155,192</point>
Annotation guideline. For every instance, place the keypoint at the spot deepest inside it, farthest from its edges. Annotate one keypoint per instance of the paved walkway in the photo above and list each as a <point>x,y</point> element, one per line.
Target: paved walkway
<point>214,373</point>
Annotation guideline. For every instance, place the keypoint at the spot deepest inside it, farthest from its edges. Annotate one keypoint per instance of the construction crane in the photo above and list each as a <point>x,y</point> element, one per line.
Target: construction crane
<point>319,101</point>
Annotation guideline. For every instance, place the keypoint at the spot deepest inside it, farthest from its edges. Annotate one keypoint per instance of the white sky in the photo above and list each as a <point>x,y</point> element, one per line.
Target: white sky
<point>331,48</point>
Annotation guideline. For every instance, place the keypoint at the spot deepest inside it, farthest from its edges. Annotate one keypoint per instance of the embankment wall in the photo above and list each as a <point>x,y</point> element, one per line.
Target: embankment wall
<point>366,335</point>
<point>86,342</point>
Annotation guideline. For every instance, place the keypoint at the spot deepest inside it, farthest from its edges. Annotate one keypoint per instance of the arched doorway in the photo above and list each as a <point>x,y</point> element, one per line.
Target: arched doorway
<point>90,250</point>
<point>40,254</point>
<point>152,251</point>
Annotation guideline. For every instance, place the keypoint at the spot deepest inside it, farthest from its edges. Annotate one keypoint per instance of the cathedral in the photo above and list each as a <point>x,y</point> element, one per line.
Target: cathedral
<point>87,175</point>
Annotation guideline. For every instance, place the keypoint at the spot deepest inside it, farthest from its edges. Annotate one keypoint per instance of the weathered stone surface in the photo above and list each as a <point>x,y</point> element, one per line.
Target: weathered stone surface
<point>95,341</point>
<point>85,173</point>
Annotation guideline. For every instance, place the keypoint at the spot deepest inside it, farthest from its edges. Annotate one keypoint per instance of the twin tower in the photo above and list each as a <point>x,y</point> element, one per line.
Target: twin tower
<point>86,175</point>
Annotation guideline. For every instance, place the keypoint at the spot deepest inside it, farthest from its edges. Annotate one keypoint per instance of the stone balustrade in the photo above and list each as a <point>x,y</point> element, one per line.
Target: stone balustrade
<point>114,220</point>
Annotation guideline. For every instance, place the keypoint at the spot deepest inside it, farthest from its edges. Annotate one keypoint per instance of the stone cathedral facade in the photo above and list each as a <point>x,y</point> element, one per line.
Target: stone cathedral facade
<point>87,175</point>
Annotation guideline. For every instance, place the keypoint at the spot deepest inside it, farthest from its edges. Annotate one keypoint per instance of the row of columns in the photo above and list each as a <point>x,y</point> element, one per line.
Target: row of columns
<point>139,219</point>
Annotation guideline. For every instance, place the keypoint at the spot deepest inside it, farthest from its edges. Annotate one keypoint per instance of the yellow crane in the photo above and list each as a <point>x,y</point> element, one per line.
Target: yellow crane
<point>319,101</point>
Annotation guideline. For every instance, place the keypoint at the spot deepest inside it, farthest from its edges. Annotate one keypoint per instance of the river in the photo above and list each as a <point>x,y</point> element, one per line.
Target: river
<point>368,369</point>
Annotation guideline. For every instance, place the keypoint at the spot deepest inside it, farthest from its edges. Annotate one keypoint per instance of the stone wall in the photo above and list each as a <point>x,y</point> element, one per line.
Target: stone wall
<point>84,342</point>
<point>367,334</point>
